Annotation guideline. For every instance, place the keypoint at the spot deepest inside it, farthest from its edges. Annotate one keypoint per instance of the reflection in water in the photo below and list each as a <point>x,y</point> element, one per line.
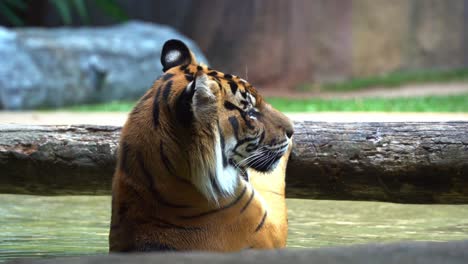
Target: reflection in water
<point>34,226</point>
<point>329,223</point>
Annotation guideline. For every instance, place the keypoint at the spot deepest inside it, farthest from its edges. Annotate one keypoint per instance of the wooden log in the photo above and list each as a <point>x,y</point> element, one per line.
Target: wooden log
<point>57,159</point>
<point>396,162</point>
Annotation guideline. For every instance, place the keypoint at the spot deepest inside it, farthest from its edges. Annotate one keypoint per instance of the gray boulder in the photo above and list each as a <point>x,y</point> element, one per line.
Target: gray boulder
<point>65,66</point>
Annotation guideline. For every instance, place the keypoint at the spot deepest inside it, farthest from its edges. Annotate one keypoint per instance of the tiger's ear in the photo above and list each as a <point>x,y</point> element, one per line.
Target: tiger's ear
<point>176,53</point>
<point>204,101</point>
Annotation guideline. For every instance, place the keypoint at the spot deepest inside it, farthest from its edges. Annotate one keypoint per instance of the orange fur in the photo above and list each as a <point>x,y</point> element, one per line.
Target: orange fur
<point>168,190</point>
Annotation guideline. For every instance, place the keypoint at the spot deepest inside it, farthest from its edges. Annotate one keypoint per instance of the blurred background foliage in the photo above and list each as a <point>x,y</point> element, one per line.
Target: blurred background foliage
<point>25,12</point>
<point>287,48</point>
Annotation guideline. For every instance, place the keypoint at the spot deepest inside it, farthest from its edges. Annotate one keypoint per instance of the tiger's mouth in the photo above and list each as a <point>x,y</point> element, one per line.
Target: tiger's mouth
<point>268,162</point>
<point>263,159</point>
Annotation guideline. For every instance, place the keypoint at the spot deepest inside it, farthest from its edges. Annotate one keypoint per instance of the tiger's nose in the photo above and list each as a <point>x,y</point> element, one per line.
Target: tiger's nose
<point>289,132</point>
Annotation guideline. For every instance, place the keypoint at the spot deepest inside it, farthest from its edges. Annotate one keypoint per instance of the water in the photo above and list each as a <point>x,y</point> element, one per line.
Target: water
<point>38,226</point>
<point>331,223</point>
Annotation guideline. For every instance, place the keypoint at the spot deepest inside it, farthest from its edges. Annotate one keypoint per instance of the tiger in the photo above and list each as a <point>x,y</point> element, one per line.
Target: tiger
<point>201,164</point>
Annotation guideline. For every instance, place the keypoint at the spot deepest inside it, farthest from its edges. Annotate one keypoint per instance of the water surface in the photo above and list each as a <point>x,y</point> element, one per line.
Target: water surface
<point>39,226</point>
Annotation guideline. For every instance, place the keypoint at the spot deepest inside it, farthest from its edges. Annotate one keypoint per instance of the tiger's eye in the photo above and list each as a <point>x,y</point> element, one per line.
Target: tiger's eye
<point>252,114</point>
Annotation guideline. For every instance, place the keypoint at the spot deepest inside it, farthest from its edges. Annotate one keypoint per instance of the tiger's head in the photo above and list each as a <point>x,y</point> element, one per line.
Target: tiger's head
<point>218,122</point>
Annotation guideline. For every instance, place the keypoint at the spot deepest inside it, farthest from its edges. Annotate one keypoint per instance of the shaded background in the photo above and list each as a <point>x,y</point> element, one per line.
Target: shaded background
<point>283,44</point>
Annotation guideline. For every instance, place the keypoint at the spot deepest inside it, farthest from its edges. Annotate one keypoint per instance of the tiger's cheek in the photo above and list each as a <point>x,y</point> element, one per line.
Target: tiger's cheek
<point>259,126</point>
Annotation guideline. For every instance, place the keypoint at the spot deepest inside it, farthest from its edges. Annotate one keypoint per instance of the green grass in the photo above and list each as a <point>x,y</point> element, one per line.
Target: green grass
<point>119,106</point>
<point>455,103</point>
<point>458,103</point>
<point>391,80</point>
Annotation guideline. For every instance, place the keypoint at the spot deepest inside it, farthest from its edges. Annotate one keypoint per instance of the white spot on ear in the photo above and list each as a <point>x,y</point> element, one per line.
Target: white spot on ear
<point>172,56</point>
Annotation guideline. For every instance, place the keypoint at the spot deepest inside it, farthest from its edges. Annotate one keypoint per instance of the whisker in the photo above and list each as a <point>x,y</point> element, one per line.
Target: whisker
<point>261,160</point>
<point>254,155</point>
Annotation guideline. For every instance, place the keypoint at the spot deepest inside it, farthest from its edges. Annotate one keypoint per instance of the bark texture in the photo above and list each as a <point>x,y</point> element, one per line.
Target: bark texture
<point>396,162</point>
<point>57,159</point>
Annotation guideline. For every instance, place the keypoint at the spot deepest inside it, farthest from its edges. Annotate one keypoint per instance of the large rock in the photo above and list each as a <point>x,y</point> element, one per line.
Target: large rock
<point>63,66</point>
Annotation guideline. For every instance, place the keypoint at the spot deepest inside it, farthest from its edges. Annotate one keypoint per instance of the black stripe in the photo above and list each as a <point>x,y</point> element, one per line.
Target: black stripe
<point>183,107</point>
<point>279,146</point>
<point>165,160</point>
<point>245,175</point>
<point>216,79</point>
<point>233,86</point>
<point>223,146</point>
<point>188,77</point>
<point>131,187</point>
<point>244,94</point>
<point>262,137</point>
<point>248,122</point>
<point>167,91</point>
<point>227,76</point>
<point>251,146</point>
<point>199,68</point>
<point>213,73</point>
<point>156,108</point>
<point>235,126</point>
<point>230,106</point>
<point>219,85</point>
<point>167,76</point>
<point>187,71</point>
<point>231,204</point>
<point>237,153</point>
<point>248,202</point>
<point>244,140</point>
<point>244,103</point>
<point>262,222</point>
<point>152,186</point>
